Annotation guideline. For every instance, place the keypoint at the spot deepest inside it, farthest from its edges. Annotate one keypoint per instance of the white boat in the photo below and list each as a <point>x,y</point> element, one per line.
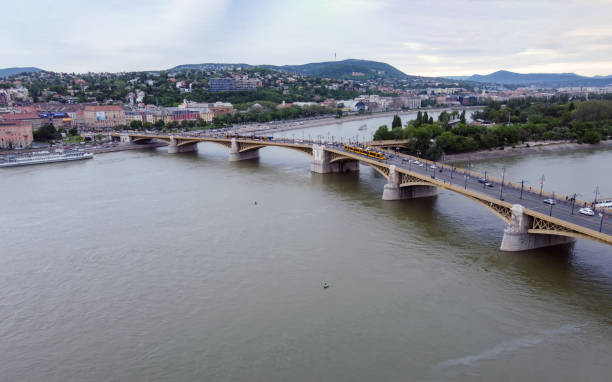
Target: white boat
<point>42,157</point>
<point>363,127</point>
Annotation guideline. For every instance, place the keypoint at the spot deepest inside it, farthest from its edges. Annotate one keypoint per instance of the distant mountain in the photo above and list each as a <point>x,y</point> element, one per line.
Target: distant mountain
<point>346,69</point>
<point>10,71</point>
<point>459,78</point>
<point>544,79</point>
<point>208,66</point>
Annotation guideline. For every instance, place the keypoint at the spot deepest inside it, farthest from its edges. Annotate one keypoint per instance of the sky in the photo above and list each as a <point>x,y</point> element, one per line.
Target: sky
<point>428,38</point>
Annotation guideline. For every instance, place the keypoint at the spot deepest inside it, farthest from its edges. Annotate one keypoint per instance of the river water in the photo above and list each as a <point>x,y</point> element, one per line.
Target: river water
<point>144,266</point>
<point>357,130</point>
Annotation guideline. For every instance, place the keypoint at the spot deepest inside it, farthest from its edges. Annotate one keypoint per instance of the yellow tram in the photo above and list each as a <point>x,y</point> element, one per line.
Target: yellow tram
<point>365,152</point>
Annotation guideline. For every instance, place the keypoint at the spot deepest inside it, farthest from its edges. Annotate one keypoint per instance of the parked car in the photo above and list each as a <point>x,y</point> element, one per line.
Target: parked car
<point>587,211</point>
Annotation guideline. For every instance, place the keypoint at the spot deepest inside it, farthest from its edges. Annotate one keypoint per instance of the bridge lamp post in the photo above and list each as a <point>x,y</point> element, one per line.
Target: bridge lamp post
<point>573,202</point>
<point>501,189</point>
<point>596,192</point>
<point>522,186</point>
<point>551,204</point>
<point>542,179</point>
<point>601,221</point>
<point>466,178</point>
<point>484,184</point>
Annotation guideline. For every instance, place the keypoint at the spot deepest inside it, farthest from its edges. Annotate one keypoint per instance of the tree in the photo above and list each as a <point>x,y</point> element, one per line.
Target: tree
<point>136,125</point>
<point>397,122</point>
<point>74,131</point>
<point>447,141</point>
<point>462,117</point>
<point>46,133</point>
<point>592,137</point>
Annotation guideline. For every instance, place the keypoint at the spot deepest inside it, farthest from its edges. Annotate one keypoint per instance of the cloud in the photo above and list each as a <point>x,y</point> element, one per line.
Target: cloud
<point>417,36</point>
<point>414,45</point>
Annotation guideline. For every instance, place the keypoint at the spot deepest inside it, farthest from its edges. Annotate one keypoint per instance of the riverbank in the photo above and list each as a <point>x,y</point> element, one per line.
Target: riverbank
<point>526,149</point>
<point>97,149</point>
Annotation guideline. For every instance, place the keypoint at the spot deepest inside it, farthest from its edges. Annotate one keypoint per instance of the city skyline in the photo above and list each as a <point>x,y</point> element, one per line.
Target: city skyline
<point>419,38</point>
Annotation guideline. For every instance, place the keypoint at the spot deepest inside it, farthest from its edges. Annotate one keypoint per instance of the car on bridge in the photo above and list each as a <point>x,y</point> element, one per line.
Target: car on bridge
<point>550,201</point>
<point>485,182</point>
<point>587,211</point>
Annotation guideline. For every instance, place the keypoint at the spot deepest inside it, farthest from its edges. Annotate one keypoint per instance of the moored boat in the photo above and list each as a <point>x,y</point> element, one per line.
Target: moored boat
<point>42,157</point>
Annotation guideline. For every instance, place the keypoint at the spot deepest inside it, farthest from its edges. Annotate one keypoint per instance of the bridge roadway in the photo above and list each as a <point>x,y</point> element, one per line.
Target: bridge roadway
<point>532,226</point>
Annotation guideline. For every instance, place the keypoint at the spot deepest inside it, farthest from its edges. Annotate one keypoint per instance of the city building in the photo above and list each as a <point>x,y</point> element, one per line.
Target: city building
<point>15,135</point>
<point>32,119</point>
<point>101,117</point>
<point>233,84</point>
<point>221,108</point>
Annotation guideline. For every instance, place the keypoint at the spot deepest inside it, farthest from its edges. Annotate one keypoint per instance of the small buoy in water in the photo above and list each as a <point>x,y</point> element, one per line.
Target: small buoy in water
<point>325,285</point>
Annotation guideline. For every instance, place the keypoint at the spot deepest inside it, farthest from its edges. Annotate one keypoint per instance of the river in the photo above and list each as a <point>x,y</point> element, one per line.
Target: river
<point>144,266</point>
<point>358,130</point>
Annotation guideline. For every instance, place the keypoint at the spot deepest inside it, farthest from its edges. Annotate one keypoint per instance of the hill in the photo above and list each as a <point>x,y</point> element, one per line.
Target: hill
<point>10,71</point>
<point>346,69</point>
<point>208,66</point>
<point>544,79</point>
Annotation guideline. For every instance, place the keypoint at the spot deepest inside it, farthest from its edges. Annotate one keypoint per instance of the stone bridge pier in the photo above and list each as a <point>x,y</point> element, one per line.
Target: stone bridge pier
<point>394,191</point>
<point>174,147</point>
<point>125,138</point>
<point>236,154</point>
<point>322,162</point>
<point>517,238</point>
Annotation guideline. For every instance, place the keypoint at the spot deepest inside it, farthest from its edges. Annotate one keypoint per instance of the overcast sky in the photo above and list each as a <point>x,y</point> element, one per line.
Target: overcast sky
<point>430,38</point>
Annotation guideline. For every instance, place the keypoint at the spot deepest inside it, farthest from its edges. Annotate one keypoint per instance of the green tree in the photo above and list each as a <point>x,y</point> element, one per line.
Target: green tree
<point>136,125</point>
<point>591,136</point>
<point>397,122</point>
<point>46,133</point>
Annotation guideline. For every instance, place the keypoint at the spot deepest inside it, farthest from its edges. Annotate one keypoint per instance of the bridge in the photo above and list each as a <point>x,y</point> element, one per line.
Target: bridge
<point>531,223</point>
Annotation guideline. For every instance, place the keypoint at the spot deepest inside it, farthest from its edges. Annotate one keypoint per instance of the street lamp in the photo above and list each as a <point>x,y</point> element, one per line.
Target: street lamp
<point>501,189</point>
<point>573,202</point>
<point>552,202</point>
<point>469,167</point>
<point>542,179</point>
<point>596,192</point>
<point>522,186</point>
